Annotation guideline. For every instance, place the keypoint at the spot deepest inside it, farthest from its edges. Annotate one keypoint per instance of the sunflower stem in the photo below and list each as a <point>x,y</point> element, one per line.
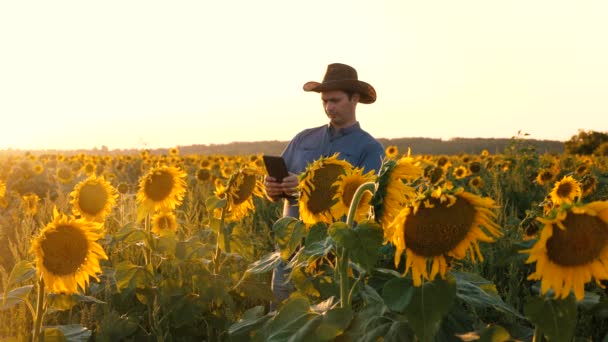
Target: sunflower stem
<point>345,297</point>
<point>538,335</point>
<point>221,233</point>
<point>39,310</point>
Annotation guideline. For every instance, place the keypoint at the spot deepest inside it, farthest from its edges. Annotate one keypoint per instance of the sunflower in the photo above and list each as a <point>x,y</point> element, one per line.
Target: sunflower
<point>545,176</point>
<point>434,173</point>
<point>474,167</point>
<point>391,152</point>
<point>460,172</point>
<point>174,151</point>
<point>565,191</point>
<point>348,184</point>
<point>317,189</point>
<point>67,253</point>
<point>162,188</point>
<point>439,225</point>
<point>2,189</point>
<point>64,175</point>
<point>38,168</point>
<point>476,182</point>
<point>588,184</point>
<point>484,154</point>
<point>164,223</point>
<point>392,192</point>
<point>30,203</point>
<point>203,175</point>
<point>239,192</point>
<point>572,249</point>
<point>123,188</point>
<point>89,168</point>
<point>93,198</point>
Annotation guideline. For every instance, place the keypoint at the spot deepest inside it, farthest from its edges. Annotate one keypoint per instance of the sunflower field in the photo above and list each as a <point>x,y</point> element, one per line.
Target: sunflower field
<point>509,246</point>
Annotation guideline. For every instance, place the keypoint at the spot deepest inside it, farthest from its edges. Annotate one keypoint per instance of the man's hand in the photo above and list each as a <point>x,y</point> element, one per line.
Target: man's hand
<point>275,190</point>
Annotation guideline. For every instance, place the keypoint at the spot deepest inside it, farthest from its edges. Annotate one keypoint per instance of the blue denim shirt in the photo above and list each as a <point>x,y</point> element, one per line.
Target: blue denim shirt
<point>354,145</point>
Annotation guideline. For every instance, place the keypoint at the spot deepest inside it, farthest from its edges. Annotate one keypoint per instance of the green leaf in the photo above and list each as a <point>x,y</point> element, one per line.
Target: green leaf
<point>395,295</point>
<point>63,302</point>
<point>23,270</point>
<point>333,324</point>
<point>494,333</point>
<point>15,296</point>
<point>556,318</point>
<point>71,332</point>
<point>429,303</point>
<point>288,233</point>
<point>479,292</point>
<point>316,233</point>
<point>130,234</point>
<point>399,331</point>
<point>214,202</point>
<point>130,276</point>
<point>251,321</point>
<point>294,315</point>
<point>164,245</point>
<point>361,242</point>
<point>268,263</point>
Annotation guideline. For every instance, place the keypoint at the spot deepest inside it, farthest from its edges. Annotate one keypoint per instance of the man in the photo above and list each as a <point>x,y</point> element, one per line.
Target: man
<point>341,91</point>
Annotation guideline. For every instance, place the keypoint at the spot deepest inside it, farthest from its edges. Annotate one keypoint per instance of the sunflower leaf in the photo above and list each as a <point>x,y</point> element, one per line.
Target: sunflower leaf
<point>480,292</point>
<point>362,242</point>
<point>394,294</point>
<point>15,296</point>
<point>288,233</point>
<point>130,276</point>
<point>268,263</point>
<point>429,303</point>
<point>23,270</point>
<point>556,318</point>
<point>70,332</point>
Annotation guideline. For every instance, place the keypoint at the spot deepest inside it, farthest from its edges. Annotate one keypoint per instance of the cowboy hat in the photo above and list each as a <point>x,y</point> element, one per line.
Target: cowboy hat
<point>343,77</point>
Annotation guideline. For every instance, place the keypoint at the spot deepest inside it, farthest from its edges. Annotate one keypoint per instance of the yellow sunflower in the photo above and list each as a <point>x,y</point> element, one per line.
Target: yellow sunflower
<point>164,223</point>
<point>162,188</point>
<point>476,182</point>
<point>123,188</point>
<point>30,203</point>
<point>38,168</point>
<point>239,192</point>
<point>392,192</point>
<point>2,189</point>
<point>545,176</point>
<point>65,175</point>
<point>317,189</point>
<point>89,168</point>
<point>67,253</point>
<point>203,175</point>
<point>440,225</point>
<point>460,172</point>
<point>347,184</point>
<point>588,184</point>
<point>572,249</point>
<point>93,198</point>
<point>391,152</point>
<point>566,190</point>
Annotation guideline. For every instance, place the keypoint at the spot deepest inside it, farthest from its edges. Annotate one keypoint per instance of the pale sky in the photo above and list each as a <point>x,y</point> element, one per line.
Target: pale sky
<point>150,74</point>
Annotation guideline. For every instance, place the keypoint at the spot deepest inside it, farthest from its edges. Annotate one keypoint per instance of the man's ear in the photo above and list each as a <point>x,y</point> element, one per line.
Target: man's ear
<point>356,97</point>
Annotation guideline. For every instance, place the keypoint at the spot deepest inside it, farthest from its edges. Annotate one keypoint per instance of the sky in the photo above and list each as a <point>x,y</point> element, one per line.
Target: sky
<point>153,74</point>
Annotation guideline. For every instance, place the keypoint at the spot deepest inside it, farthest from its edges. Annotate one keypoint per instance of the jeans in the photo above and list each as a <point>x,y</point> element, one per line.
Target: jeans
<point>281,287</point>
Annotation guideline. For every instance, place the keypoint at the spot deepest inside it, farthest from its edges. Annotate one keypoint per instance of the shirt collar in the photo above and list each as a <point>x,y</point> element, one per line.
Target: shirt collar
<point>338,132</point>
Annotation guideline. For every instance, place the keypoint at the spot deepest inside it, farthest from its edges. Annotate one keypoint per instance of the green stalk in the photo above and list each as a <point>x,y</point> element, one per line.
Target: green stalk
<point>538,335</point>
<point>218,250</point>
<point>39,311</point>
<point>345,298</point>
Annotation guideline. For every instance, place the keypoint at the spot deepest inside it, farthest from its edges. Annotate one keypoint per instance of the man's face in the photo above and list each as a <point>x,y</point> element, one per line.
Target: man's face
<point>339,108</point>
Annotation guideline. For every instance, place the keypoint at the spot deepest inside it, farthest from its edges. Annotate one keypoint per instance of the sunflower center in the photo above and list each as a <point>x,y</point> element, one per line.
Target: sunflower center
<point>580,243</point>
<point>159,186</point>
<point>323,193</point>
<point>245,190</point>
<point>65,249</point>
<point>564,190</point>
<point>349,192</point>
<point>92,198</point>
<point>436,231</point>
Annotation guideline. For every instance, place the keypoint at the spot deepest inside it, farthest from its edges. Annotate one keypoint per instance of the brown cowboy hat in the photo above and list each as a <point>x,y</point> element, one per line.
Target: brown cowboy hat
<point>343,77</point>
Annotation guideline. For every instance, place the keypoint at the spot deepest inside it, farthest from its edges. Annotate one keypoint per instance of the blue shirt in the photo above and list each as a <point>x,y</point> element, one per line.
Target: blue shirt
<point>354,145</point>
